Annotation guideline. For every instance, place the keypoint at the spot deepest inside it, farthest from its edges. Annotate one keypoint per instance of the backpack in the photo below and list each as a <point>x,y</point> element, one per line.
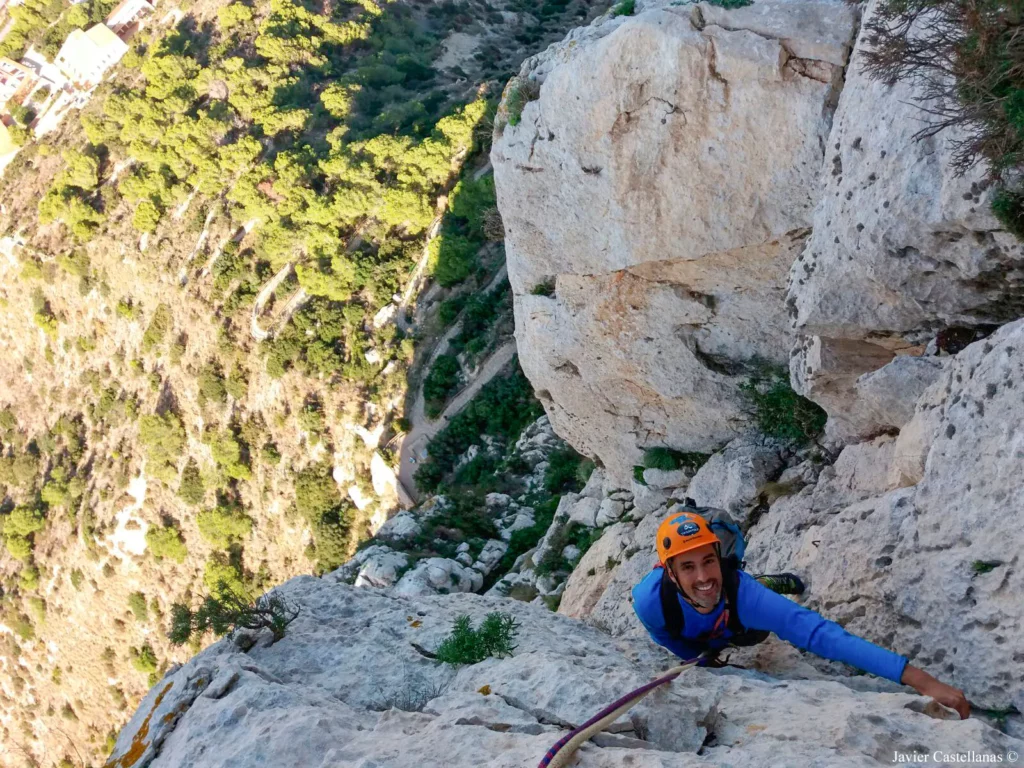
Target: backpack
<point>731,553</point>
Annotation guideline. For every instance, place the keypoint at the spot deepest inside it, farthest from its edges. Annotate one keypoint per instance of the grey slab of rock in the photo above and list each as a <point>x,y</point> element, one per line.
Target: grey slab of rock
<point>381,569</point>
<point>490,555</point>
<point>584,511</point>
<point>591,575</point>
<point>312,699</point>
<point>899,566</point>
<point>435,574</point>
<point>646,499</point>
<point>610,511</point>
<point>661,479</point>
<point>901,243</point>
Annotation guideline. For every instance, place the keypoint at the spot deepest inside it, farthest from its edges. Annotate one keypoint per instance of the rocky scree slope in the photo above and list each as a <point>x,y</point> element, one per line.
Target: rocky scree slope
<point>325,695</point>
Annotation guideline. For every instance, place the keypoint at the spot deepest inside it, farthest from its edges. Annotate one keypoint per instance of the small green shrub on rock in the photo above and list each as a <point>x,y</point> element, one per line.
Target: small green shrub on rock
<point>466,645</point>
<point>669,459</point>
<point>138,606</point>
<point>624,8</point>
<point>778,410</point>
<point>519,95</point>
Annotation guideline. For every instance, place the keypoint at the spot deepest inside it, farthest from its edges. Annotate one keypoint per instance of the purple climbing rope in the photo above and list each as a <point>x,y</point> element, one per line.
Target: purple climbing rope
<point>636,694</point>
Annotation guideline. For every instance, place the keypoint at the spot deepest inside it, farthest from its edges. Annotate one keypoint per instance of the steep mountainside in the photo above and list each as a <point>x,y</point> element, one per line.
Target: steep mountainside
<point>219,283</point>
<point>737,276</point>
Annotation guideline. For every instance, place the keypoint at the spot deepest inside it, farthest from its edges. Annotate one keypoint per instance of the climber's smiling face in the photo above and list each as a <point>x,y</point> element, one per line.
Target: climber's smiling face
<point>698,574</point>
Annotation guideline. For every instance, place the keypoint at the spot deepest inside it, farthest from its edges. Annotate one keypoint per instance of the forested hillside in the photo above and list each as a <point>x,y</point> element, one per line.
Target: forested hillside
<point>210,317</point>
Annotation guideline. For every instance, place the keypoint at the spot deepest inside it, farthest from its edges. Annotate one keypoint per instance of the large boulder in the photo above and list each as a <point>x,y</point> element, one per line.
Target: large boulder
<point>589,579</point>
<point>648,264</point>
<point>352,684</point>
<point>734,478</point>
<point>932,569</point>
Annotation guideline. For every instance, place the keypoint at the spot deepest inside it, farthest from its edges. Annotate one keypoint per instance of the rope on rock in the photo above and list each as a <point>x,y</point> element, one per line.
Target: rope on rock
<point>559,755</point>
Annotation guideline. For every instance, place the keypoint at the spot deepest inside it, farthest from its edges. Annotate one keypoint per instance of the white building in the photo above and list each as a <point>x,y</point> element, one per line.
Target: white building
<point>126,13</point>
<point>16,80</point>
<point>86,56</point>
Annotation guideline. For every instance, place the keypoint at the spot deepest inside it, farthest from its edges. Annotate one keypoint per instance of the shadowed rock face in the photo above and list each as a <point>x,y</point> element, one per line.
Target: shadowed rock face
<point>665,179</point>
<point>323,696</point>
<point>914,542</point>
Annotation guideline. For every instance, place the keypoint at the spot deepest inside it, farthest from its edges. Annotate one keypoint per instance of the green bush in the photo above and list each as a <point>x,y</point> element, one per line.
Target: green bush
<point>501,410</point>
<point>23,627</point>
<point>466,645</point>
<point>28,578</point>
<point>163,437</point>
<point>138,606</point>
<point>143,658</point>
<point>38,608</point>
<point>223,576</point>
<point>191,488</point>
<point>567,471</point>
<point>211,385</point>
<point>778,410</point>
<point>231,455</point>
<point>158,327</point>
<point>166,542</point>
<point>441,383</point>
<point>965,63</point>
<point>628,7</point>
<point>669,459</point>
<point>224,525</point>
<point>77,579</point>
<point>229,611</point>
<point>520,94</point>
<point>544,288</point>
<point>451,258</point>
<point>1008,207</point>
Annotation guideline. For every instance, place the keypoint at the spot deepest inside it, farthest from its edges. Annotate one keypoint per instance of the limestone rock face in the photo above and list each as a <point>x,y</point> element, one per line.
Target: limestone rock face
<point>635,185</point>
<point>733,478</point>
<point>901,248</point>
<point>349,685</point>
<point>901,244</point>
<point>931,569</point>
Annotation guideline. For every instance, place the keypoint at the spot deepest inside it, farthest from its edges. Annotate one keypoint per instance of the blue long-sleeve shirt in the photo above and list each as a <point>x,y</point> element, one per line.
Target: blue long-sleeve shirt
<point>760,608</point>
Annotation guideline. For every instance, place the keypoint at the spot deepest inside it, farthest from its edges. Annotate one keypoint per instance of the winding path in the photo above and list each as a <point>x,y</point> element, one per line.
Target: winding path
<point>261,299</point>
<point>415,441</point>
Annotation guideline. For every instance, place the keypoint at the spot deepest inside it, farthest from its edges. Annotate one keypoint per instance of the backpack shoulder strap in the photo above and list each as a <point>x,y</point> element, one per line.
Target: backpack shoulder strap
<point>731,584</point>
<point>670,608</point>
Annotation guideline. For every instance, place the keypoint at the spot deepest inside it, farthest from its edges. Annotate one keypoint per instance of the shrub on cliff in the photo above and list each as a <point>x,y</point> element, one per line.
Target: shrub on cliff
<point>228,612</point>
<point>224,525</point>
<point>466,645</point>
<point>779,411</point>
<point>966,59</point>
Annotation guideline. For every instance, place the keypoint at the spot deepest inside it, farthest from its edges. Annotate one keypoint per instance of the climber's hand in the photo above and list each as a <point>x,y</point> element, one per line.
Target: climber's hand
<point>927,685</point>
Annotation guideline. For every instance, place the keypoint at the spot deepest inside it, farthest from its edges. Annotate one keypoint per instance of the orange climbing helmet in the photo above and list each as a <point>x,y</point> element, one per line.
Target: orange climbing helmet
<point>682,531</point>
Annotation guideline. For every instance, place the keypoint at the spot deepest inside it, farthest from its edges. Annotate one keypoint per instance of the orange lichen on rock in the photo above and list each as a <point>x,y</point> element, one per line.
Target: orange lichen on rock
<point>139,743</point>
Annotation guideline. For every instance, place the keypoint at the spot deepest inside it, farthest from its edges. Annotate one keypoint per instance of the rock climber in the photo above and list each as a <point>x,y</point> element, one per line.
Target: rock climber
<point>697,600</point>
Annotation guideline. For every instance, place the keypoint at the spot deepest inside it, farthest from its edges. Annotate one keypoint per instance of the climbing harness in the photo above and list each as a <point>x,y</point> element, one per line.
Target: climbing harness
<point>560,754</point>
